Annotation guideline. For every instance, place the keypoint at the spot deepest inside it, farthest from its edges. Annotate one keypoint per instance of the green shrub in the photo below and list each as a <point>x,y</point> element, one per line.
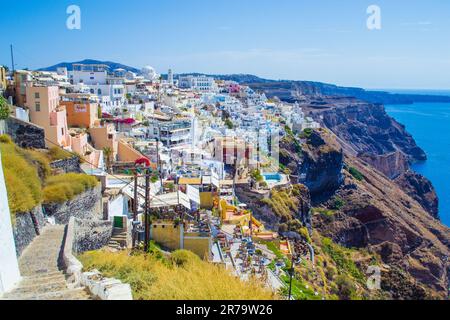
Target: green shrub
<point>65,187</point>
<point>356,174</point>
<point>328,215</point>
<point>256,175</point>
<point>306,133</point>
<point>229,123</point>
<point>341,256</point>
<point>305,234</point>
<point>346,288</point>
<point>338,203</point>
<point>5,109</point>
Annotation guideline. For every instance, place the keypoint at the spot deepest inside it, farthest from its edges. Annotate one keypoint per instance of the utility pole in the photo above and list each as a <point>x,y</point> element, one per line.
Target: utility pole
<point>12,59</point>
<point>258,159</point>
<point>135,207</point>
<point>158,162</point>
<point>147,208</point>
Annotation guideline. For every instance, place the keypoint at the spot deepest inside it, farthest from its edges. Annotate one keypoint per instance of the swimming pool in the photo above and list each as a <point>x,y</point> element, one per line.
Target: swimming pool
<point>272,177</point>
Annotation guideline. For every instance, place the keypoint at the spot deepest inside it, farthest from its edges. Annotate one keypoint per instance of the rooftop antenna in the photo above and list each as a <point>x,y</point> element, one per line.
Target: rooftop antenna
<point>12,59</point>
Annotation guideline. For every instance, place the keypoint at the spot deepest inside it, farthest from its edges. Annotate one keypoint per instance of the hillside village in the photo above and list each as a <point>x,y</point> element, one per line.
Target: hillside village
<point>120,185</point>
<point>116,161</point>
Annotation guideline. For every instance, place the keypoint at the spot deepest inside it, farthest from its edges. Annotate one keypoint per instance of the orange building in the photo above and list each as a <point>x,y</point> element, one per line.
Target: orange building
<point>82,110</point>
<point>105,137</point>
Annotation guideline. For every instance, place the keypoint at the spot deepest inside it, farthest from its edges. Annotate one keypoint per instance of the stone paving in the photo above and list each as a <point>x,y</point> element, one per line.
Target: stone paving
<point>42,275</point>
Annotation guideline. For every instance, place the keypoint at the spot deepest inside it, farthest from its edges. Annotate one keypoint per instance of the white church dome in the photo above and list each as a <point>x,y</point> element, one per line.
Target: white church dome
<point>148,72</point>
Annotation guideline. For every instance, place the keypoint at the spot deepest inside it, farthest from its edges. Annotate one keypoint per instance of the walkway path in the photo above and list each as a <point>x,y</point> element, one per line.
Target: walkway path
<point>42,275</point>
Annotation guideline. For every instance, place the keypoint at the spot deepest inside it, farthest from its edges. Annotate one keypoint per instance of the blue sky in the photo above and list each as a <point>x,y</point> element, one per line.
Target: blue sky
<point>322,40</point>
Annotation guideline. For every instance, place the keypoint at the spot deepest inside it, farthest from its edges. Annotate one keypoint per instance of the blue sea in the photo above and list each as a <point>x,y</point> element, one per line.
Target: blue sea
<point>429,123</point>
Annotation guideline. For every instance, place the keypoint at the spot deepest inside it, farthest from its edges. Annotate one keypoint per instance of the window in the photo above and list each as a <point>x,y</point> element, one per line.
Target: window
<point>38,106</point>
<point>62,131</point>
<point>99,92</point>
<point>36,95</point>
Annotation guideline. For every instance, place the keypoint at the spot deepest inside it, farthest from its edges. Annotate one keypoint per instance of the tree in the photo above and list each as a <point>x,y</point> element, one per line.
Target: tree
<point>108,153</point>
<point>5,109</point>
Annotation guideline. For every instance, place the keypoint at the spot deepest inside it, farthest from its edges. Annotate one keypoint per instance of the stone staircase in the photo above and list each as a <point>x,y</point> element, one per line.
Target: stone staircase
<point>42,274</point>
<point>119,240</point>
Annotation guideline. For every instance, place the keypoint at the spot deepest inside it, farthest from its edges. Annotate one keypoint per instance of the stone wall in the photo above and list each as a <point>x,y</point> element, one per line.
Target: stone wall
<point>24,229</point>
<point>91,235</point>
<point>87,205</point>
<point>25,134</point>
<point>67,165</point>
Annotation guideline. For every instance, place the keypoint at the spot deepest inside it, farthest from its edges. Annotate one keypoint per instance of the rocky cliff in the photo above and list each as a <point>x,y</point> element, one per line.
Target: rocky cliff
<point>369,211</point>
<point>368,132</point>
<point>322,164</point>
<point>421,190</point>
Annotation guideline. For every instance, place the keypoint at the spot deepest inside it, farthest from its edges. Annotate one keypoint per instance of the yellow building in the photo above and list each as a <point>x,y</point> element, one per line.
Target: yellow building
<point>172,236</point>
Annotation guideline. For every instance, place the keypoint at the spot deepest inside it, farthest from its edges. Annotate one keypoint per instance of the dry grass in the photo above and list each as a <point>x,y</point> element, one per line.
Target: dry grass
<point>56,153</point>
<point>65,187</point>
<point>182,277</point>
<point>40,160</point>
<point>22,180</point>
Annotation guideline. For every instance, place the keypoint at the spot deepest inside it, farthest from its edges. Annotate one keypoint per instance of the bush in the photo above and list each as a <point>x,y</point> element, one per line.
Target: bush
<point>5,109</point>
<point>65,187</point>
<point>40,160</point>
<point>4,138</point>
<point>229,123</point>
<point>346,287</point>
<point>256,175</point>
<point>306,133</point>
<point>342,258</point>
<point>356,174</point>
<point>328,215</point>
<point>338,203</point>
<point>305,234</point>
<point>182,258</point>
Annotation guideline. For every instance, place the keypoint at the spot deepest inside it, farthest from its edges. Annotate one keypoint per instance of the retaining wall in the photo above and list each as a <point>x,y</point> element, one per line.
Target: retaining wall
<point>87,205</point>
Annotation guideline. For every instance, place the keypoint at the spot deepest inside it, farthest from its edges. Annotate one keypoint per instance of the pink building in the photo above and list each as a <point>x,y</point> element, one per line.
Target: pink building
<point>45,111</point>
<point>81,146</point>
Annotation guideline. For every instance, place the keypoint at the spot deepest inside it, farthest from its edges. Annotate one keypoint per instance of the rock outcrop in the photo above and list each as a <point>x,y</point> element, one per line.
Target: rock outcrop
<point>421,190</point>
<point>321,165</point>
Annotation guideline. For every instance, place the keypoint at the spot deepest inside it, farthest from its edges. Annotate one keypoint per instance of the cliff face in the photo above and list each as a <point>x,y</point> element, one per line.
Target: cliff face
<point>321,165</point>
<point>370,211</point>
<point>421,190</point>
<point>377,214</point>
<point>369,133</point>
